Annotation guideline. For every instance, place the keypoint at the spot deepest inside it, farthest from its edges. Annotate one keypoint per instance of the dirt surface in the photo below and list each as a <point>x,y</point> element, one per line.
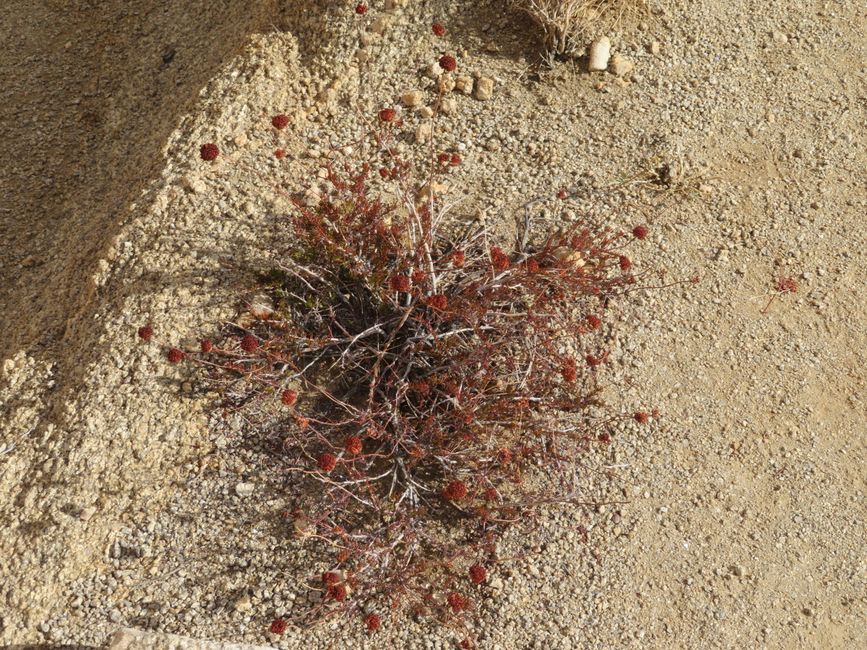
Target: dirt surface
<point>737,137</point>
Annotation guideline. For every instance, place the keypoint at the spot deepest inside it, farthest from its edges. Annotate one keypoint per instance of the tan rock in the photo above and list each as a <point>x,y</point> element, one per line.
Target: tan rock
<point>412,98</point>
<point>484,89</point>
<point>464,84</point>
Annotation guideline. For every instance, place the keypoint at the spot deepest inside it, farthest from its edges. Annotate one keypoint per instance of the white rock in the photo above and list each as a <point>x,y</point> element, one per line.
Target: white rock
<point>484,89</point>
<point>464,84</point>
<point>243,604</point>
<point>446,83</point>
<point>423,133</point>
<point>412,98</point>
<point>245,489</point>
<point>448,105</point>
<point>600,52</point>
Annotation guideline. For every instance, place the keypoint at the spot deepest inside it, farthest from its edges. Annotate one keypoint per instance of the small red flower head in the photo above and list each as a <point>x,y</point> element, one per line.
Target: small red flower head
<point>562,193</point>
<point>455,160</point>
<point>594,322</point>
<point>361,8</point>
<point>372,622</point>
<point>327,462</point>
<point>206,346</point>
<point>455,491</point>
<point>387,115</point>
<point>457,602</point>
<point>444,158</point>
<point>209,151</point>
<point>289,397</point>
<point>399,283</point>
<point>330,578</point>
<point>384,172</point>
<point>787,285</point>
<point>419,276</point>
<point>278,626</point>
<point>353,445</point>
<point>280,121</point>
<point>478,574</point>
<point>249,343</point>
<point>279,154</point>
<point>466,644</point>
<point>625,263</point>
<point>640,232</point>
<point>145,332</point>
<point>448,63</point>
<point>532,266</point>
<point>641,417</point>
<point>438,301</point>
<point>605,438</point>
<point>499,259</point>
<point>569,371</point>
<point>337,592</point>
<point>175,355</point>
<point>438,29</point>
<point>458,258</point>
<point>301,422</point>
<point>594,361</point>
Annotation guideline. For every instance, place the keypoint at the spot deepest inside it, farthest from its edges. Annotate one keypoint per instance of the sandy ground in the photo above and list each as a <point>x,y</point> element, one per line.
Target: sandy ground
<point>742,522</point>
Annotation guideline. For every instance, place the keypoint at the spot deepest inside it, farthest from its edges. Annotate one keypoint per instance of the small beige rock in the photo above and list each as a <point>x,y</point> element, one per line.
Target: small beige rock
<point>621,66</point>
<point>243,604</point>
<point>426,112</point>
<point>600,53</point>
<point>412,98</point>
<point>380,24</point>
<point>464,84</point>
<point>654,48</point>
<point>87,513</point>
<point>423,133</point>
<point>446,83</point>
<point>448,105</point>
<point>484,89</point>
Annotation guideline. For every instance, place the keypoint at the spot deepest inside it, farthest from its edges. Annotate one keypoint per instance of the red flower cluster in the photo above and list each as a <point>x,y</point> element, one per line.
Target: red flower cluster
<point>249,343</point>
<point>532,265</point>
<point>499,259</point>
<point>206,346</point>
<point>458,258</point>
<point>594,361</point>
<point>457,602</point>
<point>455,160</point>
<point>327,462</point>
<point>438,301</point>
<point>209,151</point>
<point>279,154</point>
<point>289,397</point>
<point>641,417</point>
<point>387,115</point>
<point>438,29</point>
<point>353,445</point>
<point>448,63</point>
<point>280,121</point>
<point>145,332</point>
<point>787,285</point>
<point>625,263</point>
<point>569,371</point>
<point>175,355</point>
<point>455,491</point>
<point>361,8</point>
<point>640,232</point>
<point>278,626</point>
<point>372,622</point>
<point>399,283</point>
<point>478,574</point>
<point>594,322</point>
<point>337,592</point>
<point>330,578</point>
<point>419,276</point>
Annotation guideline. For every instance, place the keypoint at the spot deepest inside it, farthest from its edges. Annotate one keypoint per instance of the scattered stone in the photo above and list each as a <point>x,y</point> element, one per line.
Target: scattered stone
<point>412,98</point>
<point>600,52</point>
<point>423,133</point>
<point>380,24</point>
<point>492,145</point>
<point>807,611</point>
<point>739,571</point>
<point>243,604</point>
<point>245,489</point>
<point>779,37</point>
<point>426,112</point>
<point>621,66</point>
<point>448,105</point>
<point>193,184</point>
<point>484,89</point>
<point>87,513</point>
<point>654,48</point>
<point>464,84</point>
<point>446,83</point>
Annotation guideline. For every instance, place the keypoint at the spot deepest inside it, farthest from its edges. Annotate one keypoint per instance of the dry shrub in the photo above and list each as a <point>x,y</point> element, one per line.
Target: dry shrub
<point>569,24</point>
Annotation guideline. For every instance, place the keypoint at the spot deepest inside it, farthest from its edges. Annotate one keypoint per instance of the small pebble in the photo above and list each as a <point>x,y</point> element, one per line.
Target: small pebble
<point>484,89</point>
<point>600,53</point>
<point>245,489</point>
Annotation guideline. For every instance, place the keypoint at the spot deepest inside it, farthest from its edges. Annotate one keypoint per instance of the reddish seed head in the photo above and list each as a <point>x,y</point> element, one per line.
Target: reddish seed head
<point>438,301</point>
<point>280,121</point>
<point>455,160</point>
<point>562,194</point>
<point>145,332</point>
<point>278,626</point>
<point>383,171</point>
<point>605,438</point>
<point>478,574</point>
<point>787,285</point>
<point>249,343</point>
<point>448,63</point>
<point>569,371</point>
<point>457,602</point>
<point>353,445</point>
<point>330,578</point>
<point>301,422</point>
<point>387,115</point>
<point>444,158</point>
<point>175,355</point>
<point>593,321</point>
<point>206,346</point>
<point>455,491</point>
<point>337,592</point>
<point>625,263</point>
<point>466,644</point>
<point>419,276</point>
<point>372,622</point>
<point>640,232</point>
<point>594,361</point>
<point>327,462</point>
<point>458,258</point>
<point>438,29</point>
<point>641,417</point>
<point>361,8</point>
<point>289,397</point>
<point>532,266</point>
<point>209,151</point>
<point>499,259</point>
<point>279,154</point>
<point>399,283</point>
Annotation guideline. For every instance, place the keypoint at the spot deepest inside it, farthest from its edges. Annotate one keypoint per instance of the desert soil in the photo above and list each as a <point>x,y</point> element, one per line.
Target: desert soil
<point>739,515</point>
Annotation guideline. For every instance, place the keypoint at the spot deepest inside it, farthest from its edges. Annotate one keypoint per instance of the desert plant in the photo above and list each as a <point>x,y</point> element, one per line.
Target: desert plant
<point>569,24</point>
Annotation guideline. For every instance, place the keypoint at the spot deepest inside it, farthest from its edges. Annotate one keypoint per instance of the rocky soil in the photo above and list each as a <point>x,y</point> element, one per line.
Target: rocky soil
<point>735,130</point>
